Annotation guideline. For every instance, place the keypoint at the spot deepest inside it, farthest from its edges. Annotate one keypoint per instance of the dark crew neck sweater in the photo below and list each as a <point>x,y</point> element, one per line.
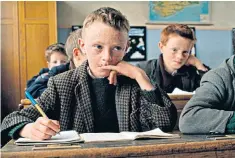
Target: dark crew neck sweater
<point>103,105</point>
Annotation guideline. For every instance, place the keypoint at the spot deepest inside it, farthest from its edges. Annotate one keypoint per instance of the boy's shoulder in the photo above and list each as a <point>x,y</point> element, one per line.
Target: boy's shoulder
<point>73,74</point>
<point>43,70</point>
<point>59,69</point>
<point>148,64</point>
<point>224,70</point>
<point>67,75</point>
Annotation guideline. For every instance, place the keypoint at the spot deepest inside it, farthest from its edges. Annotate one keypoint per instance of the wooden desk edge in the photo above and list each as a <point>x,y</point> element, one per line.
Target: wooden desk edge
<point>144,150</point>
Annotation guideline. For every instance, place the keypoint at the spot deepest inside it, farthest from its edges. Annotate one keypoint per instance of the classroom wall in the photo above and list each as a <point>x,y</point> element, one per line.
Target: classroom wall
<point>214,42</point>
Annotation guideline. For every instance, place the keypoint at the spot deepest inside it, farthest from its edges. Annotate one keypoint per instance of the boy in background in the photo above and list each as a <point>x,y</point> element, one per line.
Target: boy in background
<point>73,50</point>
<point>175,67</point>
<point>55,55</point>
<point>83,100</point>
<point>73,53</point>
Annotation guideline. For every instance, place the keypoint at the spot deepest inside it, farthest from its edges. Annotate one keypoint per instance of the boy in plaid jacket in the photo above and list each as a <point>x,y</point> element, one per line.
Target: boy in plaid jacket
<point>84,100</point>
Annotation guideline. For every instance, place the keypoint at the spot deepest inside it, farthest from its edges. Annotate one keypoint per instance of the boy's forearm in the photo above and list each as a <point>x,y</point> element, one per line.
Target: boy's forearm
<point>194,61</point>
<point>144,82</point>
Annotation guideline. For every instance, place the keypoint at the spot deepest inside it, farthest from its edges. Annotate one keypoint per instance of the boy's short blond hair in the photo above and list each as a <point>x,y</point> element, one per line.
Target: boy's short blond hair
<point>177,29</point>
<point>109,16</point>
<point>72,42</point>
<point>57,47</point>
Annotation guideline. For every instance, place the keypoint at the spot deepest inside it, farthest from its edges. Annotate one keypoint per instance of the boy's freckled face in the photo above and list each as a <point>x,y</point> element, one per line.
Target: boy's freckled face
<point>57,59</point>
<point>176,52</point>
<point>103,46</point>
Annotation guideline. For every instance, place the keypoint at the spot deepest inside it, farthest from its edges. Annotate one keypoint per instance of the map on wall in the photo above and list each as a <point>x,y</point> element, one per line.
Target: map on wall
<point>179,11</point>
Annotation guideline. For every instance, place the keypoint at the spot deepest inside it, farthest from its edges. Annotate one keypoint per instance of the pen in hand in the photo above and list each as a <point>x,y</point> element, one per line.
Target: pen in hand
<point>28,95</point>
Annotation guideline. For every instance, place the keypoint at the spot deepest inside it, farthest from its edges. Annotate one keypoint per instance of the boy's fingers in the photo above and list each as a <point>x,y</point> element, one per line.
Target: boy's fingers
<point>52,124</point>
<point>56,122</point>
<point>110,67</point>
<point>46,130</point>
<point>115,80</point>
<point>38,135</point>
<point>112,77</point>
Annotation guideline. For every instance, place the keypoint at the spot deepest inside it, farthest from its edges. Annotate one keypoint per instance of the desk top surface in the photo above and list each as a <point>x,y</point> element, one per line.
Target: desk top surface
<point>180,96</point>
<point>185,144</point>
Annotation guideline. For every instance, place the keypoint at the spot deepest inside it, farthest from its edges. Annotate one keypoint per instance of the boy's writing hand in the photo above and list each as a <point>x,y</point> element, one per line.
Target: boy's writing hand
<point>192,60</point>
<point>130,71</point>
<point>43,128</point>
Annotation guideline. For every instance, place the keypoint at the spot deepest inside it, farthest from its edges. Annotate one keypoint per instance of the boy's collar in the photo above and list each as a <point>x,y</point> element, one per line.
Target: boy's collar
<point>90,73</point>
<point>174,73</point>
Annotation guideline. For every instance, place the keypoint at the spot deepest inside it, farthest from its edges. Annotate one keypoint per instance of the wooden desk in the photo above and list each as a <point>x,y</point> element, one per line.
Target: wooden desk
<point>186,146</point>
<point>179,101</point>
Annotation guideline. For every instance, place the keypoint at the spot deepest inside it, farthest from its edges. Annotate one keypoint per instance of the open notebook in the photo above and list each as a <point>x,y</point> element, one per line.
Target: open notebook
<point>61,138</point>
<point>74,137</point>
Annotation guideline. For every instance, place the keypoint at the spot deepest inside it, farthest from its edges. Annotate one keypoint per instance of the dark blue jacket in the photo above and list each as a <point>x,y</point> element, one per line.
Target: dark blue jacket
<point>37,84</point>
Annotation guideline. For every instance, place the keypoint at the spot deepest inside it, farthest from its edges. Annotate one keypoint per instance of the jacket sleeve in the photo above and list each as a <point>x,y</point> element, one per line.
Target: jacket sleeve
<point>47,101</point>
<point>160,113</point>
<point>204,112</point>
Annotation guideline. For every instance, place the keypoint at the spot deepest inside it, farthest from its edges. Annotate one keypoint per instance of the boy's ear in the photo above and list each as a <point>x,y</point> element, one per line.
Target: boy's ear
<point>127,46</point>
<point>160,45</point>
<point>82,45</point>
<point>76,52</point>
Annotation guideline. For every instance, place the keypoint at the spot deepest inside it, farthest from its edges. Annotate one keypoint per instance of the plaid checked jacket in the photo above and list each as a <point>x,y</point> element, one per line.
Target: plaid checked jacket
<point>67,99</point>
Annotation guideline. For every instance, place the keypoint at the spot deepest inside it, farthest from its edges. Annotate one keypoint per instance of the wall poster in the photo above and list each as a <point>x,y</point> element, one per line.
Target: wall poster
<point>137,49</point>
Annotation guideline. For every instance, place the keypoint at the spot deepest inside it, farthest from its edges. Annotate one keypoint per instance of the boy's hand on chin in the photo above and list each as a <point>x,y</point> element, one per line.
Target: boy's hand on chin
<point>124,68</point>
<point>113,77</point>
<point>131,71</point>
